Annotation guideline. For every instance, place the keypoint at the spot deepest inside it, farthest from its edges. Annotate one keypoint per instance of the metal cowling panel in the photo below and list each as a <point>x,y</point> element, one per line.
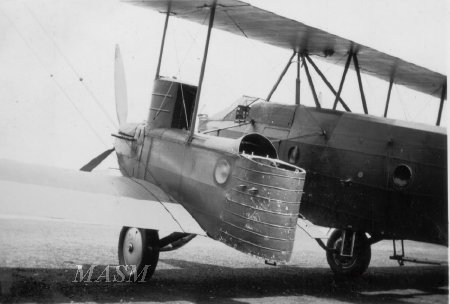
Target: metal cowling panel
<point>272,205</point>
<point>261,209</point>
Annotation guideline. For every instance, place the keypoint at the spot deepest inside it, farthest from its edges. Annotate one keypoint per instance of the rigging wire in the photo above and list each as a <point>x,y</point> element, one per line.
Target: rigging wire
<point>177,57</point>
<point>179,69</point>
<point>250,85</point>
<point>367,84</point>
<point>210,63</point>
<point>187,53</point>
<point>227,128</point>
<point>313,134</point>
<point>248,39</point>
<point>184,106</point>
<point>405,114</point>
<point>70,65</point>
<point>236,24</point>
<point>163,102</point>
<point>194,41</point>
<point>138,182</point>
<point>58,85</point>
<point>422,111</point>
<point>426,107</point>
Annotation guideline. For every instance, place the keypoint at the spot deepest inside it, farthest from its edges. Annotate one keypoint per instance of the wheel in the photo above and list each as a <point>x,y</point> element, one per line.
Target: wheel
<point>138,253</point>
<point>348,266</point>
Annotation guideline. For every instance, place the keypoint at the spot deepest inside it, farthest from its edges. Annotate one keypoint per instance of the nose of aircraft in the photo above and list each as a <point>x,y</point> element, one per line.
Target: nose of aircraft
<point>120,88</point>
<point>261,209</point>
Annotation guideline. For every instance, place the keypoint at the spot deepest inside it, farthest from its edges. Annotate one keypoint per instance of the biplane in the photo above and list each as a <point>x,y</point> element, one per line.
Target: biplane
<point>243,184</point>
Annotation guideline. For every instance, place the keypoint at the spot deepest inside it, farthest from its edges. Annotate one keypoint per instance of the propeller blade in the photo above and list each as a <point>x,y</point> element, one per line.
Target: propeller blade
<point>120,87</point>
<point>96,161</point>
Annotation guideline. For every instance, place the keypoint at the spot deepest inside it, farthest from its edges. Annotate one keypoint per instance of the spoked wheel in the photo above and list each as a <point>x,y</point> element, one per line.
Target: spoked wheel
<point>138,253</point>
<point>348,266</point>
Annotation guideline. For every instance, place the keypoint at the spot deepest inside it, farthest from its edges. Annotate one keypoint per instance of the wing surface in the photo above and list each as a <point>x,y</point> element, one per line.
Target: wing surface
<point>244,19</point>
<point>46,193</point>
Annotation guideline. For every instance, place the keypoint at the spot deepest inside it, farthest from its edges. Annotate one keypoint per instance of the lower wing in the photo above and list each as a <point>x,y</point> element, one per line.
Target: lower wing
<point>45,193</point>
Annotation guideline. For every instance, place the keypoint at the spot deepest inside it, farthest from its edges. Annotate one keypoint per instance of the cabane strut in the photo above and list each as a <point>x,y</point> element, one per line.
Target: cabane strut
<point>441,105</point>
<point>311,84</point>
<point>325,80</point>
<point>361,90</point>
<point>280,77</point>
<point>297,82</point>
<point>388,96</point>
<point>341,85</point>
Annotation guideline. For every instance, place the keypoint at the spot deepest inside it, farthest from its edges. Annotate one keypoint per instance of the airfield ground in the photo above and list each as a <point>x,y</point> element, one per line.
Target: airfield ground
<point>38,264</point>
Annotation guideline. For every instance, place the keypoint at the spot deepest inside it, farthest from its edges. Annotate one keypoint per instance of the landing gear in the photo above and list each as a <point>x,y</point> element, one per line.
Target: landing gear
<point>351,254</point>
<point>138,253</point>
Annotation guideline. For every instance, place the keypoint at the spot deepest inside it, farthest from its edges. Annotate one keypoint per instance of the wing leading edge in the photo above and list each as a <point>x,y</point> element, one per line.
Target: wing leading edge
<point>241,18</point>
<point>46,193</point>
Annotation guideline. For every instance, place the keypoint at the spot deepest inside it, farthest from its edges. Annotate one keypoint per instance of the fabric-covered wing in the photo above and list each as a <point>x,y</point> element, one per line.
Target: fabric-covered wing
<point>39,192</point>
<point>244,19</point>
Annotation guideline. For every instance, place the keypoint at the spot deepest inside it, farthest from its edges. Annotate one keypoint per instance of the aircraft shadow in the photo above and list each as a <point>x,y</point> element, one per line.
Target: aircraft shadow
<point>199,283</point>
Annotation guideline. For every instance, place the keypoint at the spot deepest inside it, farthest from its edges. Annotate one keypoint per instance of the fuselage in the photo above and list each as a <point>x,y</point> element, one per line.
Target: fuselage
<point>381,176</point>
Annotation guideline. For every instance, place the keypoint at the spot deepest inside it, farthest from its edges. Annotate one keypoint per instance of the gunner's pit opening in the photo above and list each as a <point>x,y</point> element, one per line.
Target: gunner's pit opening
<point>256,144</point>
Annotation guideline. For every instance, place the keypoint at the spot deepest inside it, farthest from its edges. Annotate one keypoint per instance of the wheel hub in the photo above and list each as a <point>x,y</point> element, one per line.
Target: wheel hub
<point>344,261</point>
<point>133,252</point>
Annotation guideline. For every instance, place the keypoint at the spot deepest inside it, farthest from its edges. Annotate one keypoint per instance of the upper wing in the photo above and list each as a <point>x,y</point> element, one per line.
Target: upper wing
<point>39,192</point>
<point>244,19</point>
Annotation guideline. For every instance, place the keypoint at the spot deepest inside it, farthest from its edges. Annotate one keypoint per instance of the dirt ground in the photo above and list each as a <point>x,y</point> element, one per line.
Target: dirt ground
<point>38,264</point>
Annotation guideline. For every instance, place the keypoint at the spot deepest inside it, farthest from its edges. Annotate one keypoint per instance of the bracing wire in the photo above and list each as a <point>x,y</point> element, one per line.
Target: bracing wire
<point>176,56</point>
<point>58,85</point>
<point>181,84</point>
<point>405,114</point>
<point>184,106</point>
<point>194,40</point>
<point>181,62</point>
<point>424,109</point>
<point>236,24</point>
<point>426,106</point>
<point>226,128</point>
<point>253,45</point>
<point>163,102</point>
<point>70,65</point>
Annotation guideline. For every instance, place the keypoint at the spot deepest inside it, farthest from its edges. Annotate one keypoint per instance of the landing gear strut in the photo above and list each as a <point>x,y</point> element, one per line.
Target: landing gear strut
<point>350,252</point>
<point>138,253</point>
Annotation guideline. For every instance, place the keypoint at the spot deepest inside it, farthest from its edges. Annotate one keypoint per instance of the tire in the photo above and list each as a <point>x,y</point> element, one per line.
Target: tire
<point>349,266</point>
<point>138,252</point>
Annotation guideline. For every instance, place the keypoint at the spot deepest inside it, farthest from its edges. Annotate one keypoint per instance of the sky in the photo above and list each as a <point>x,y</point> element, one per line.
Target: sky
<point>57,64</point>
